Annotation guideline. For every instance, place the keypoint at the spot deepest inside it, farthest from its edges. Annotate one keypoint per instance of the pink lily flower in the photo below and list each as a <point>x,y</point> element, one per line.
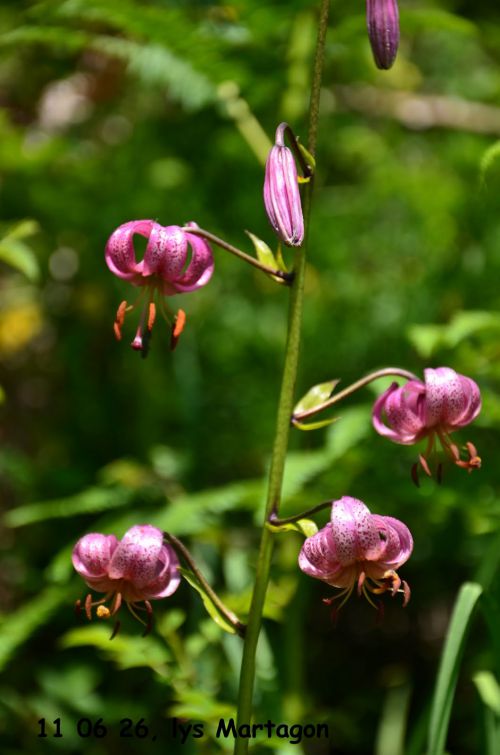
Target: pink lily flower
<point>281,192</point>
<point>175,262</point>
<point>358,548</point>
<point>443,404</point>
<point>139,568</point>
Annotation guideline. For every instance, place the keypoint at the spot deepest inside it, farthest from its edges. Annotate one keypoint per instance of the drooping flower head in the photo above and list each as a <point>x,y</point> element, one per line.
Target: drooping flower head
<point>445,402</point>
<point>281,192</point>
<point>358,548</point>
<point>175,262</point>
<point>137,569</point>
<point>382,20</point>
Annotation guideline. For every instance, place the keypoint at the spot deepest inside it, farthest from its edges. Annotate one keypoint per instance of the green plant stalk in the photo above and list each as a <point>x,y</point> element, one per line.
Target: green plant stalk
<point>285,408</point>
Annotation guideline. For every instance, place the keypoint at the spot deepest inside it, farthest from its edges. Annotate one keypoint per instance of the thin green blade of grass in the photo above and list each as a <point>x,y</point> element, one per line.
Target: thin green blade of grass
<point>451,658</point>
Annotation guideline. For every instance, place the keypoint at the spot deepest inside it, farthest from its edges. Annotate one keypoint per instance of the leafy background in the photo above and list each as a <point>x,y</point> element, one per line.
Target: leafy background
<point>115,111</point>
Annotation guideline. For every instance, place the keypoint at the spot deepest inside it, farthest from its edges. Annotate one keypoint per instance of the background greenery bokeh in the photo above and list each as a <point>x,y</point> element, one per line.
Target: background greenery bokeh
<point>115,111</point>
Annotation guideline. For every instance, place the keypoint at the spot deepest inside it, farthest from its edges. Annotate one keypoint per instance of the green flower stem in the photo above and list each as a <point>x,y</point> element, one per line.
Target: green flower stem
<point>386,372</point>
<point>230,617</point>
<point>285,407</point>
<point>286,277</point>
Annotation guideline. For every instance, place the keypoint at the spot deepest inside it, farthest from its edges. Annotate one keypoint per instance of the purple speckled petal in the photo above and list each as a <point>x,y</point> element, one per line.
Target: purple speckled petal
<point>166,252</point>
<point>398,543</point>
<point>92,554</point>
<point>452,400</point>
<point>382,20</point>
<point>318,557</point>
<point>403,410</point>
<point>169,577</point>
<point>120,254</point>
<point>353,531</point>
<point>136,559</point>
<point>201,266</point>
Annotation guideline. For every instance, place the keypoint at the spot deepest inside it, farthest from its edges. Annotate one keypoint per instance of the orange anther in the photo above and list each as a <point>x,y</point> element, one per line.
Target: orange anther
<point>151,315</point>
<point>180,321</point>
<point>88,606</point>
<point>119,320</point>
<point>102,612</point>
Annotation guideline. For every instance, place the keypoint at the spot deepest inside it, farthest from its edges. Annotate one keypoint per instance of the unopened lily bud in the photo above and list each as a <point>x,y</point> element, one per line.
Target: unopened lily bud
<point>382,19</point>
<point>281,192</point>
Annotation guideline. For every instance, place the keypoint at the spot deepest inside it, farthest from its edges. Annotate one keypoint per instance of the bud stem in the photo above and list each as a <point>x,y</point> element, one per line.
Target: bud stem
<point>386,372</point>
<point>286,277</point>
<point>230,617</point>
<point>273,519</point>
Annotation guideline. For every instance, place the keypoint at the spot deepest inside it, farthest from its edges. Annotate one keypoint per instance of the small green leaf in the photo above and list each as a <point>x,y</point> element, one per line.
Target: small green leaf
<point>316,396</point>
<point>306,527</point>
<point>212,609</point>
<point>265,255</point>
<point>308,157</point>
<point>488,689</point>
<point>314,425</point>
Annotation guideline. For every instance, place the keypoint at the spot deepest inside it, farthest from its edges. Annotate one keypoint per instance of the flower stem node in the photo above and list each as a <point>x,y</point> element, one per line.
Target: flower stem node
<point>358,549</point>
<point>175,262</point>
<point>139,568</point>
<point>433,409</point>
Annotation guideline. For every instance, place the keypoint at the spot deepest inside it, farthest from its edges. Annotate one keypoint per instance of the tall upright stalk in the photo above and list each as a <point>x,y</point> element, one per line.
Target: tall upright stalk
<point>285,408</point>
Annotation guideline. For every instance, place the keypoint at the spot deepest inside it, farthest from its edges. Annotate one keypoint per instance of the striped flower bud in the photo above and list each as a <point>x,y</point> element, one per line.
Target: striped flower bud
<point>281,192</point>
<point>382,18</point>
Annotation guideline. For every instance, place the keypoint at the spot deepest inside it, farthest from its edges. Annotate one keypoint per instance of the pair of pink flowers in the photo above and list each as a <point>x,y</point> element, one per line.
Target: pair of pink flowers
<point>364,549</point>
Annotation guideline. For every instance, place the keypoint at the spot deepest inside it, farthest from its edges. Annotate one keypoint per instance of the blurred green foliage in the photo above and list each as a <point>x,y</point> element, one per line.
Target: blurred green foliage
<point>114,111</point>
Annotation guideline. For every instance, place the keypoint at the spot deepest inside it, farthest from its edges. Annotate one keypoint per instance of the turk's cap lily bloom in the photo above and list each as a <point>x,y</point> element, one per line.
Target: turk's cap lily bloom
<point>358,548</point>
<point>136,569</point>
<point>281,192</point>
<point>175,262</point>
<point>442,404</point>
<point>382,20</point>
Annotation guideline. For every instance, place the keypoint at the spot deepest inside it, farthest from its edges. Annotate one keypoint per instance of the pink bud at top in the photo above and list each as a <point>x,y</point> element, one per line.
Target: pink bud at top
<point>358,547</point>
<point>175,261</point>
<point>382,18</point>
<point>281,192</point>
<point>140,567</point>
<point>446,402</point>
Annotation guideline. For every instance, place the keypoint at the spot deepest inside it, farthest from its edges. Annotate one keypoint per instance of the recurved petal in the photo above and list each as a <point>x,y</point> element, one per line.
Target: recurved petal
<point>353,531</point>
<point>137,556</point>
<point>397,541</point>
<point>473,403</point>
<point>318,557</point>
<point>92,554</point>
<point>166,252</point>
<point>168,578</point>
<point>120,254</point>
<point>447,397</point>
<point>402,407</point>
<point>201,266</point>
